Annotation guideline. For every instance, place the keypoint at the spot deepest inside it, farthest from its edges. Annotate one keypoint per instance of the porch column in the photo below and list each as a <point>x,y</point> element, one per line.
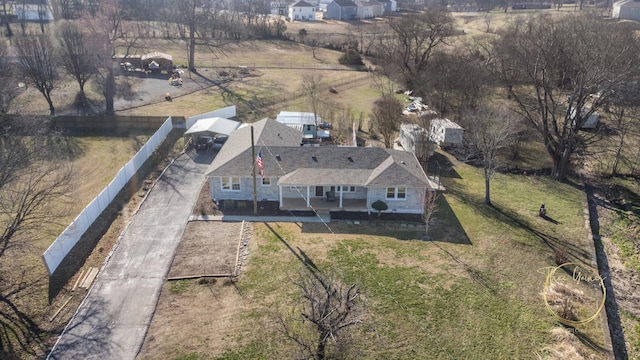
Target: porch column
<point>341,187</point>
<point>280,194</point>
<point>308,199</point>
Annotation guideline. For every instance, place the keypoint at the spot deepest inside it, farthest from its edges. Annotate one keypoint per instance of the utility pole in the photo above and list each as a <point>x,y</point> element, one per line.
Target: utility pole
<point>253,167</point>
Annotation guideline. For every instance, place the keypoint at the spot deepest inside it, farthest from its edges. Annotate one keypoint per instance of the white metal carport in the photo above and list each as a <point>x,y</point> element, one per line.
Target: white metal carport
<point>212,126</point>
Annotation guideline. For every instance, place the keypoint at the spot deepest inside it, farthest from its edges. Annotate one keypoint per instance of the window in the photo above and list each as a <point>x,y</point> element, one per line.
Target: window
<point>396,192</point>
<point>266,181</point>
<point>231,183</point>
<point>347,188</point>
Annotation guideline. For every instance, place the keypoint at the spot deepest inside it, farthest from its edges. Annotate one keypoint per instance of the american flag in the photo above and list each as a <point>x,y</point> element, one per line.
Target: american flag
<point>259,163</point>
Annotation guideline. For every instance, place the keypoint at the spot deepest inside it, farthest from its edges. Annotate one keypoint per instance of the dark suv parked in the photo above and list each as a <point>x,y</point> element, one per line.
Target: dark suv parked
<point>204,143</point>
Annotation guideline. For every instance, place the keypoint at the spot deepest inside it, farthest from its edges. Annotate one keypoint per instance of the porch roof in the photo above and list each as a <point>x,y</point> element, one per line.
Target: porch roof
<point>313,177</point>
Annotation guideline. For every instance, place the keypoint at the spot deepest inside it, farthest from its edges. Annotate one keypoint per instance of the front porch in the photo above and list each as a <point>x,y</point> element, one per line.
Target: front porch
<point>322,204</point>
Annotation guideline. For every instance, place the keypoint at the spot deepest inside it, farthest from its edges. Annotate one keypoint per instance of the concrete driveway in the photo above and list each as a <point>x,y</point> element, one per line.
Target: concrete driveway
<point>113,319</point>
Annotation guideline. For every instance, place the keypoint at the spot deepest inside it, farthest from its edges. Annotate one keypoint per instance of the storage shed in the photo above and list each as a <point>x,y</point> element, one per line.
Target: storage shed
<point>415,139</point>
<point>445,132</point>
<point>163,61</point>
<point>626,10</point>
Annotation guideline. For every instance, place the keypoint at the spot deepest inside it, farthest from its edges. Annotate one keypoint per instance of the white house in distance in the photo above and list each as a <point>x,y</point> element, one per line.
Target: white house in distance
<point>280,7</point>
<point>32,12</point>
<point>302,11</point>
<point>626,10</point>
<point>445,132</point>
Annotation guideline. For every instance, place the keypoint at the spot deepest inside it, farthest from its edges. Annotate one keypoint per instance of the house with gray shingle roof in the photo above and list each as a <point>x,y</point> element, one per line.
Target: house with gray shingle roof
<point>369,9</point>
<point>341,10</point>
<point>326,178</point>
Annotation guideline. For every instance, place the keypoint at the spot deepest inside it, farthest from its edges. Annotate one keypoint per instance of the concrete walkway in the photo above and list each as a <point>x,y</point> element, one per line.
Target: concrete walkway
<point>113,319</point>
<point>237,218</point>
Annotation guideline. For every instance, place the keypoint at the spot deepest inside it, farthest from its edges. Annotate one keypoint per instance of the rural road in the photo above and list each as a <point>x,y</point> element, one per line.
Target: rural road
<point>113,319</point>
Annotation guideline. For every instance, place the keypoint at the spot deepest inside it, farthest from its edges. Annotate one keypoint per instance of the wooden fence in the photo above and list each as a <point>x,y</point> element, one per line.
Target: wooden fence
<point>113,124</point>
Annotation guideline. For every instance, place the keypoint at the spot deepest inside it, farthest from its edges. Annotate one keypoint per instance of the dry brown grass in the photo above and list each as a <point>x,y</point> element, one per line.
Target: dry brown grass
<point>566,346</point>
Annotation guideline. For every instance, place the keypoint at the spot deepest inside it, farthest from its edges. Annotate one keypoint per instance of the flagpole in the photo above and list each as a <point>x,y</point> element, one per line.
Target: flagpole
<point>253,157</point>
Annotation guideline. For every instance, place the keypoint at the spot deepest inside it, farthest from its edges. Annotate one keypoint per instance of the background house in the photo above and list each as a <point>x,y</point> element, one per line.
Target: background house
<point>368,9</point>
<point>389,6</point>
<point>302,10</point>
<point>327,178</point>
<point>32,12</point>
<point>279,7</point>
<point>445,132</point>
<point>341,10</point>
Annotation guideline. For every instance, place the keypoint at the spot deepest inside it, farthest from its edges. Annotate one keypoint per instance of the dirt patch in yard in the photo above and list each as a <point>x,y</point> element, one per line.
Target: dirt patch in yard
<point>207,248</point>
<point>210,303</point>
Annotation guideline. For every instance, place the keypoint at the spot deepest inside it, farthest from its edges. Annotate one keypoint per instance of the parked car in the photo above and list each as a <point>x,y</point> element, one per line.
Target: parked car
<point>219,141</point>
<point>204,143</point>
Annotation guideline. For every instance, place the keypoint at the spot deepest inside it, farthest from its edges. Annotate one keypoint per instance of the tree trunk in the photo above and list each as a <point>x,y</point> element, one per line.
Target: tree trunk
<point>487,188</point>
<point>320,352</point>
<point>616,160</point>
<point>52,110</point>
<point>192,48</point>
<point>109,92</point>
<point>560,165</point>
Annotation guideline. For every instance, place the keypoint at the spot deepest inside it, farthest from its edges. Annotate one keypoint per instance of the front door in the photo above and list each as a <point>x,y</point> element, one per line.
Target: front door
<point>320,191</point>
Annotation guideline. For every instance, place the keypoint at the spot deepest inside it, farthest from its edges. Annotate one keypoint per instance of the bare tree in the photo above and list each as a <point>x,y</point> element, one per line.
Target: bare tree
<point>5,19</point>
<point>33,184</point>
<point>105,31</point>
<point>311,88</point>
<point>197,24</point>
<point>75,55</point>
<point>490,129</point>
<point>10,75</point>
<point>37,59</point>
<point>429,208</point>
<point>327,311</point>
<point>387,115</point>
<point>625,120</point>
<point>414,38</point>
<point>559,71</point>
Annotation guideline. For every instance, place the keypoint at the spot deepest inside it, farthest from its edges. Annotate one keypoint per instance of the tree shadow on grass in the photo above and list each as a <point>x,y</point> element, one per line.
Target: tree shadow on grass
<point>440,166</point>
<point>302,256</point>
<point>19,333</point>
<point>88,334</point>
<point>512,218</point>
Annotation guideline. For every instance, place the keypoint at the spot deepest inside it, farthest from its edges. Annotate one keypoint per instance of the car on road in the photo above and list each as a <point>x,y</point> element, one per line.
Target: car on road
<point>204,143</point>
<point>219,141</point>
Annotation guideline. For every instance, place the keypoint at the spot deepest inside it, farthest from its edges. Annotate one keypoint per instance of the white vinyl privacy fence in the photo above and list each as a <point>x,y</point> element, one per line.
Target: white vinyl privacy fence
<point>57,251</point>
<point>227,113</point>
